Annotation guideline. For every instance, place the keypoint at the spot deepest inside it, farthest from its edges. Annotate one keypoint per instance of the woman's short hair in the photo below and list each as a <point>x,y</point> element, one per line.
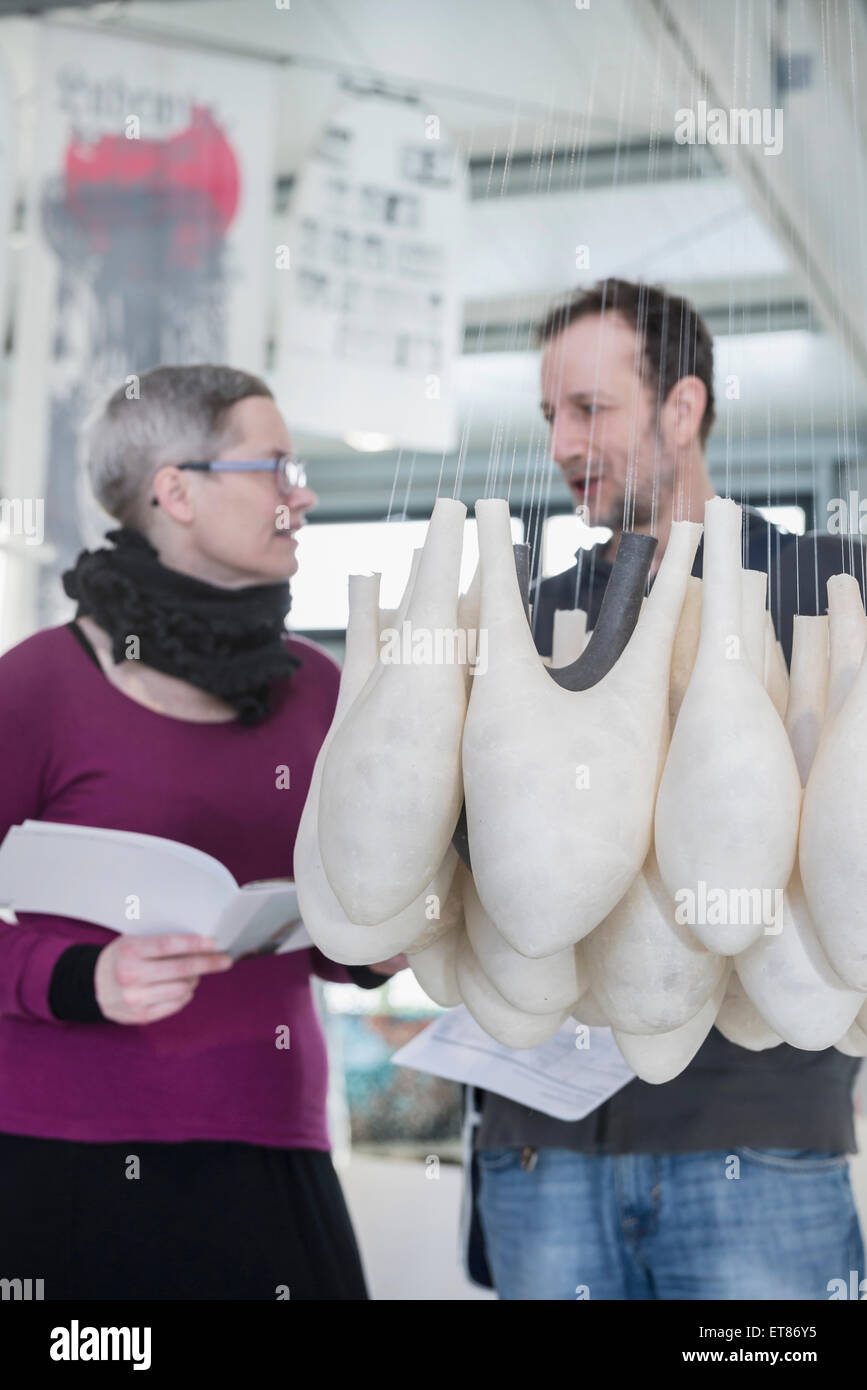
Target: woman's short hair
<point>166,415</point>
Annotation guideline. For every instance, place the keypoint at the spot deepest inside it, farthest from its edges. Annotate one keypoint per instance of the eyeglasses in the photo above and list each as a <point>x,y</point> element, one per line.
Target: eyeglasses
<point>290,472</point>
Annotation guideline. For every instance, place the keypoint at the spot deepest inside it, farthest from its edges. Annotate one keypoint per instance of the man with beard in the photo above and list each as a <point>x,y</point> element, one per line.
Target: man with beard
<point>731,1181</point>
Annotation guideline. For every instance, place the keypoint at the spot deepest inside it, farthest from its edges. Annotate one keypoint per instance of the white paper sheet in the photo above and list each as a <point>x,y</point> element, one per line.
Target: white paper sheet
<point>556,1077</point>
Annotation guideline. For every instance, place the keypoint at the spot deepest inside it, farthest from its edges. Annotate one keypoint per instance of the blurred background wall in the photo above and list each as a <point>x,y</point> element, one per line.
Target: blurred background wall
<point>174,186</point>
<point>371,202</point>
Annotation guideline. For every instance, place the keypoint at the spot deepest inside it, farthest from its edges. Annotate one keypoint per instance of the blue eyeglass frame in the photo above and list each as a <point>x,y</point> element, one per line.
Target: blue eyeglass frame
<point>275,465</point>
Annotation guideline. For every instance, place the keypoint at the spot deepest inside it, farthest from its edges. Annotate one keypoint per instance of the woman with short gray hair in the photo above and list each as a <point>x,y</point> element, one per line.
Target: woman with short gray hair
<point>155,1141</point>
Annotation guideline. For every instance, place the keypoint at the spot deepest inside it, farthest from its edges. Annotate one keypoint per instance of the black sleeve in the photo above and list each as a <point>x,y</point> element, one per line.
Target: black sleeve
<point>72,992</point>
<point>366,978</point>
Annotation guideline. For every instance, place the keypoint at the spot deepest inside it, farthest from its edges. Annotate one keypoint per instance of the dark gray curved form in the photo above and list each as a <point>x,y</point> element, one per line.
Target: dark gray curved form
<point>615,624</point>
<point>618,614</point>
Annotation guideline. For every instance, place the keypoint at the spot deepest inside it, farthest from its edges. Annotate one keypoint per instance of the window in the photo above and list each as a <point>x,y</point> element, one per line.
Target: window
<point>328,552</point>
<point>793,517</point>
<point>562,536</point>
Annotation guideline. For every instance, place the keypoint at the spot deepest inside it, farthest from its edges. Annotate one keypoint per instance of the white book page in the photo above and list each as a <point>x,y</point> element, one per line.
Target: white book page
<point>138,884</point>
<point>262,917</point>
<point>156,845</point>
<point>558,1078</point>
<point>142,885</point>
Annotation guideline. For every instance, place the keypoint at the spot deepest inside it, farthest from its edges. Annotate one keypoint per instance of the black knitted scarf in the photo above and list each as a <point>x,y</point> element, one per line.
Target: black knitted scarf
<point>230,642</point>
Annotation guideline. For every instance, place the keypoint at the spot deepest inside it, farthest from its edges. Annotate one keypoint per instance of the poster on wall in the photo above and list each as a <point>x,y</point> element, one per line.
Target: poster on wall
<point>370,317</point>
<point>148,215</point>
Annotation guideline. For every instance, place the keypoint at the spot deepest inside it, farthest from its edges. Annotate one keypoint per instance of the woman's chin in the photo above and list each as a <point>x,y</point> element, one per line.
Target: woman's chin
<point>281,561</point>
<point>273,564</point>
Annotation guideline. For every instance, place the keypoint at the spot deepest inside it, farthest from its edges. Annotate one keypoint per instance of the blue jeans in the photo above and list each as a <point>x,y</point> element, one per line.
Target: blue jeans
<point>747,1224</point>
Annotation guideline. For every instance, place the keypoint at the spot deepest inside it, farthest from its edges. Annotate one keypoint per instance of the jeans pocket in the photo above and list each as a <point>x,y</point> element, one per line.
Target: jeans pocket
<point>795,1160</point>
<point>495,1160</point>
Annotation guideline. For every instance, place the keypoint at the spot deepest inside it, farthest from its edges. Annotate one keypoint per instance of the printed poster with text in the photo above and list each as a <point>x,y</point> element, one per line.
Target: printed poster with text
<point>148,221</point>
<point>370,320</point>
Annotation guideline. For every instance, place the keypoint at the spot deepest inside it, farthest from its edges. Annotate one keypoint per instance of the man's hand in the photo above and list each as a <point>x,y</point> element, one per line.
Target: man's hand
<point>139,979</point>
<point>390,966</point>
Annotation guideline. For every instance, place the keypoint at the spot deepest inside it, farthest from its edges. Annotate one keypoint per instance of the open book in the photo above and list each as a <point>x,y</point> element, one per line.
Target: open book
<point>143,885</point>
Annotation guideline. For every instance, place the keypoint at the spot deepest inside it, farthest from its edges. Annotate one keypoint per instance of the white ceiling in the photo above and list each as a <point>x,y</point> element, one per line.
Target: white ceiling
<point>533,76</point>
<point>494,70</point>
<point>703,231</point>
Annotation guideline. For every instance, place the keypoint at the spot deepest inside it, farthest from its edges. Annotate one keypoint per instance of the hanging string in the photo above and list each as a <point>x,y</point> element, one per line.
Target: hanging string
<point>860,192</point>
<point>394,484</point>
<point>538,457</point>
<point>405,511</point>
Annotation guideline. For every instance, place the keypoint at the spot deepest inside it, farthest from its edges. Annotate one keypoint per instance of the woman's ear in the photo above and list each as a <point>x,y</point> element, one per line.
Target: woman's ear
<point>173,492</point>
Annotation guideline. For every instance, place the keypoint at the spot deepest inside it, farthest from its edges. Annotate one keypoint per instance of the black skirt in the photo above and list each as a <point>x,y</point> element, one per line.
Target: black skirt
<point>193,1220</point>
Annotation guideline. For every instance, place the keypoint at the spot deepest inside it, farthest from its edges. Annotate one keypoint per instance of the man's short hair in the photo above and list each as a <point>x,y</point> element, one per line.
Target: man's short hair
<point>677,341</point>
<point>171,415</point>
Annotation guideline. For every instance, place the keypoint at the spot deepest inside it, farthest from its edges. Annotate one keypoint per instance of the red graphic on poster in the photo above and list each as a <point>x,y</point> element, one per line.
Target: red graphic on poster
<point>139,231</point>
<point>190,179</point>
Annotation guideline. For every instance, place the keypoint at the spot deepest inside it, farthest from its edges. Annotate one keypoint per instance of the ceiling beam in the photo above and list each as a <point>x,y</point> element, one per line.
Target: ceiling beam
<point>811,194</point>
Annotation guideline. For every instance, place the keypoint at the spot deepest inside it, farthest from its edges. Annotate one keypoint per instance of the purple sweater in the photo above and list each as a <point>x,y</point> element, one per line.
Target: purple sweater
<point>73,748</point>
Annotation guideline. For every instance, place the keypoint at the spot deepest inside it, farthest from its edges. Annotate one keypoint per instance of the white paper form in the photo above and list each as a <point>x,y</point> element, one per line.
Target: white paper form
<point>558,1078</point>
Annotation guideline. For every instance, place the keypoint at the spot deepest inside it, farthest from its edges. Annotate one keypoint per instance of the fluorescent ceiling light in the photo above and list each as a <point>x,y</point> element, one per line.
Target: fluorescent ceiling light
<point>368,441</point>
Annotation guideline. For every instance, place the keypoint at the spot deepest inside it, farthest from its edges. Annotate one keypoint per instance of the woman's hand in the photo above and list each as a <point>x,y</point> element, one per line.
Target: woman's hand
<point>139,979</point>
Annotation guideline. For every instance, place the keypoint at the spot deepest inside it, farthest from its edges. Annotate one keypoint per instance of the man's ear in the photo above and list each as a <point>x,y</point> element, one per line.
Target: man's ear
<point>685,409</point>
<point>173,492</point>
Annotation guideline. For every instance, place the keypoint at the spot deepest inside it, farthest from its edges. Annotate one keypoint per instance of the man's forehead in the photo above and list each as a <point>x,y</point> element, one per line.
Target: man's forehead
<point>594,347</point>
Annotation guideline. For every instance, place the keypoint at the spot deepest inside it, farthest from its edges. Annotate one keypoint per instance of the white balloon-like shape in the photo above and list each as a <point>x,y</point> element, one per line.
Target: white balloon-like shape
<point>500,1019</point>
<point>391,781</point>
<point>685,647</point>
<point>434,969</point>
<point>660,1057</point>
<point>648,973</point>
<point>740,1022</point>
<point>786,974</point>
<point>791,982</point>
<point>727,809</point>
<point>559,784</point>
<point>776,672</point>
<point>540,986</point>
<point>569,636</point>
<point>338,938</point>
<point>588,1010</point>
<point>854,1044</point>
<point>434,965</point>
<point>808,689</point>
<point>847,637</point>
<point>834,817</point>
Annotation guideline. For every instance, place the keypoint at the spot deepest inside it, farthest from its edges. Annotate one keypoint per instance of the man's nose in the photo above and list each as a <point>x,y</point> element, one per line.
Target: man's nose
<point>569,443</point>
